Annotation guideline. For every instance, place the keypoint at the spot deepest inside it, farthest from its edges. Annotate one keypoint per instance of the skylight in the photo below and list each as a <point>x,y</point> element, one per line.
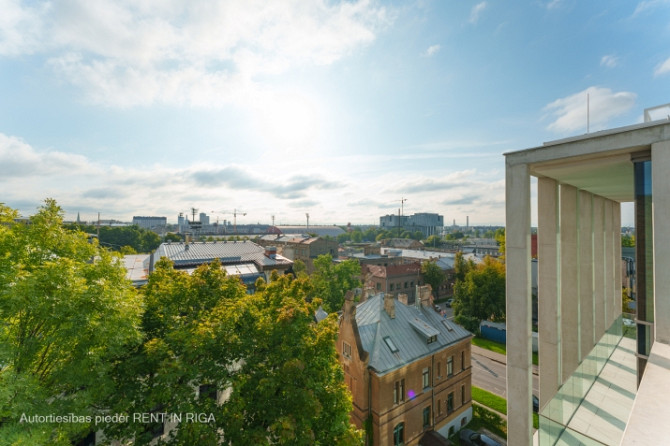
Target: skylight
<point>390,344</point>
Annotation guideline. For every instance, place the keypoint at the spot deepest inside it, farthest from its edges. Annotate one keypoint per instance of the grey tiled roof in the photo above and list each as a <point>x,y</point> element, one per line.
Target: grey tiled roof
<point>374,324</point>
<point>228,252</point>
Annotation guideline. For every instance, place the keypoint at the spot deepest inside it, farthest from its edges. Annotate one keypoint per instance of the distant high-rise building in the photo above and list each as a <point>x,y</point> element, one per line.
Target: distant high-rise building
<point>151,223</point>
<point>427,223</point>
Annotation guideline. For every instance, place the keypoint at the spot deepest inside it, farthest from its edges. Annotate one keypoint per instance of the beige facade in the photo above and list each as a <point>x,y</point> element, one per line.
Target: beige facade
<point>430,392</point>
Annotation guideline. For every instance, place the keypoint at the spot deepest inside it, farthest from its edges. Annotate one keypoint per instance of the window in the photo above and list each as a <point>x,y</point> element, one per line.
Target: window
<point>390,344</point>
<point>439,407</point>
<point>462,395</point>
<point>450,403</point>
<point>426,378</point>
<point>405,284</point>
<point>391,287</point>
<point>399,434</point>
<point>426,417</point>
<point>411,284</point>
<point>450,366</point>
<point>346,350</point>
<point>399,391</point>
<point>431,339</point>
<point>439,372</point>
<point>463,360</point>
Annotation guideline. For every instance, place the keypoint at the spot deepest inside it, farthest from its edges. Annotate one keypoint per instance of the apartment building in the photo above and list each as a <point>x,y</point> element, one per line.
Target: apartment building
<point>601,381</point>
<point>408,369</point>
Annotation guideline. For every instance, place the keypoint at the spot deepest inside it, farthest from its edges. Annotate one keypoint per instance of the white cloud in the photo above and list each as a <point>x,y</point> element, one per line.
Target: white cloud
<point>571,112</point>
<point>553,4</point>
<point>476,11</point>
<point>649,5</point>
<point>609,61</point>
<point>126,53</point>
<point>431,50</point>
<point>663,68</point>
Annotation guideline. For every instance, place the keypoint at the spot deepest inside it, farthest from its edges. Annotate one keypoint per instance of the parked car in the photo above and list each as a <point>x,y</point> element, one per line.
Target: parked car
<point>449,302</point>
<point>472,438</point>
<point>536,404</point>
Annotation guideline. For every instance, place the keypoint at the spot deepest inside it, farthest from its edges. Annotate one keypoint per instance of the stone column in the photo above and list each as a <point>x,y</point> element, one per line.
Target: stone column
<point>598,266</point>
<point>586,288</point>
<point>569,297</point>
<point>660,187</point>
<point>548,270</point>
<point>519,312</point>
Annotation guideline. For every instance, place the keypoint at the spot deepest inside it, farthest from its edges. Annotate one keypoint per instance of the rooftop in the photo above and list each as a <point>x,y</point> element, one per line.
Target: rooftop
<point>393,343</point>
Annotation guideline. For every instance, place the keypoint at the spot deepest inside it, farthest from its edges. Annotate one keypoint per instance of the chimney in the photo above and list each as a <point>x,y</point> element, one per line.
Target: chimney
<point>349,306</point>
<point>389,305</point>
<point>402,297</point>
<point>271,252</point>
<point>424,296</point>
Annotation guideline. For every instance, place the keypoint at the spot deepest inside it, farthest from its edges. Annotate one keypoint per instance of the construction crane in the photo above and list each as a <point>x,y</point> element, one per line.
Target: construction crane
<point>234,213</point>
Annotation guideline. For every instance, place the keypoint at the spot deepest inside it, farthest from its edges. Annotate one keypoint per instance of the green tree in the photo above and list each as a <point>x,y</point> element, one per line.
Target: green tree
<point>172,237</point>
<point>433,275</point>
<point>500,238</point>
<point>66,311</point>
<point>481,295</point>
<point>279,366</point>
<point>331,281</point>
<point>434,241</point>
<point>290,387</point>
<point>628,241</point>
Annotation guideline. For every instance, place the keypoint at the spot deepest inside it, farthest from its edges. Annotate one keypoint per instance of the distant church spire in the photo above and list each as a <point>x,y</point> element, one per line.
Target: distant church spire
<point>78,220</point>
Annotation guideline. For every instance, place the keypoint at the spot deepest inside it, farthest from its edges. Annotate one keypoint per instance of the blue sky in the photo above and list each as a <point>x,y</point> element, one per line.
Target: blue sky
<point>336,109</point>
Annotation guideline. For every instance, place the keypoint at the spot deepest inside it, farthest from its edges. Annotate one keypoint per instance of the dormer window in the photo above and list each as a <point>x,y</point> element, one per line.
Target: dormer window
<point>431,339</point>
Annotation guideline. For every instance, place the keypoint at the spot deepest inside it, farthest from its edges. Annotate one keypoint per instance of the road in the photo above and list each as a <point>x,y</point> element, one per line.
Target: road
<point>489,370</point>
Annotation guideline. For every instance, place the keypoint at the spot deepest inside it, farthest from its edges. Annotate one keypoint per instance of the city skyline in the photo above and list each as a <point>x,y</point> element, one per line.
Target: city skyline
<point>336,109</point>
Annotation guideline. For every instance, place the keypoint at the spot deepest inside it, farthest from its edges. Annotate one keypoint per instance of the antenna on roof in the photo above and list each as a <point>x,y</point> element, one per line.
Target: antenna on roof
<point>588,112</point>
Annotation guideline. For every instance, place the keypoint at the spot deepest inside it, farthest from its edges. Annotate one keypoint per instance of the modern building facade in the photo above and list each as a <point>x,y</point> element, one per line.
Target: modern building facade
<point>428,223</point>
<point>408,369</point>
<point>599,384</point>
<point>151,223</point>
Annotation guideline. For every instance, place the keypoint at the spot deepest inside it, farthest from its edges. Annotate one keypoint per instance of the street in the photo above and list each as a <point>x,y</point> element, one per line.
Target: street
<point>489,368</point>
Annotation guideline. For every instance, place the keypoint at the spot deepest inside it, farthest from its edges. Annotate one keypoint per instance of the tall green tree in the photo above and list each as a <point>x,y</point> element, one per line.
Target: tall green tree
<point>433,275</point>
<point>481,295</point>
<point>276,363</point>
<point>331,281</point>
<point>66,311</point>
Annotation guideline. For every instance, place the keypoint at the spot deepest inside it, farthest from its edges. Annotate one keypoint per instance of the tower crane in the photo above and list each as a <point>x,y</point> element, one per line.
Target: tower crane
<point>234,213</point>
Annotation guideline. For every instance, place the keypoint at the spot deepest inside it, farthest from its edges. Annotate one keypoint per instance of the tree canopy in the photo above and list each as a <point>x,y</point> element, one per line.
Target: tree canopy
<point>331,281</point>
<point>66,311</point>
<point>480,295</point>
<point>121,238</point>
<point>433,275</point>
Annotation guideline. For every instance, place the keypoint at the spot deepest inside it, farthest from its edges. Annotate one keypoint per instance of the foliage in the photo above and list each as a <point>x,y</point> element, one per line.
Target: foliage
<point>626,300</point>
<point>482,417</point>
<point>173,237</point>
<point>434,241</point>
<point>117,237</point>
<point>481,294</point>
<point>628,241</point>
<point>500,238</point>
<point>433,275</point>
<point>66,310</point>
<point>488,399</point>
<point>279,366</point>
<point>455,235</point>
<point>330,281</point>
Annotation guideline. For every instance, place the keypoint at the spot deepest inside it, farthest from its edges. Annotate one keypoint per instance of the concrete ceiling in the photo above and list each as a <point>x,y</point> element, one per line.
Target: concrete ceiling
<point>610,177</point>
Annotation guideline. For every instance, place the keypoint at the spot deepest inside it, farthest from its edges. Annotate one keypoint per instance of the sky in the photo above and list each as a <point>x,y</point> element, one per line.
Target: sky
<point>339,109</point>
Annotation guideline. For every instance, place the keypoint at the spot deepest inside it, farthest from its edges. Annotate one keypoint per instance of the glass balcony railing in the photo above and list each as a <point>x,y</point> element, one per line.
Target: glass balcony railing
<point>560,422</point>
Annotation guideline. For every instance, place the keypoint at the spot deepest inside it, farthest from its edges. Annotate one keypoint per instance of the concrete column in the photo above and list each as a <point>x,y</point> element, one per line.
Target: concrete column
<point>599,266</point>
<point>569,297</point>
<point>609,270</point>
<point>616,258</point>
<point>548,288</point>
<point>585,243</point>
<point>660,185</point>
<point>519,312</point>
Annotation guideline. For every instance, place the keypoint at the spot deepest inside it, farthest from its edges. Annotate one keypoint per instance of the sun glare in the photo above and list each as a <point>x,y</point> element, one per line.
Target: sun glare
<point>290,123</point>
